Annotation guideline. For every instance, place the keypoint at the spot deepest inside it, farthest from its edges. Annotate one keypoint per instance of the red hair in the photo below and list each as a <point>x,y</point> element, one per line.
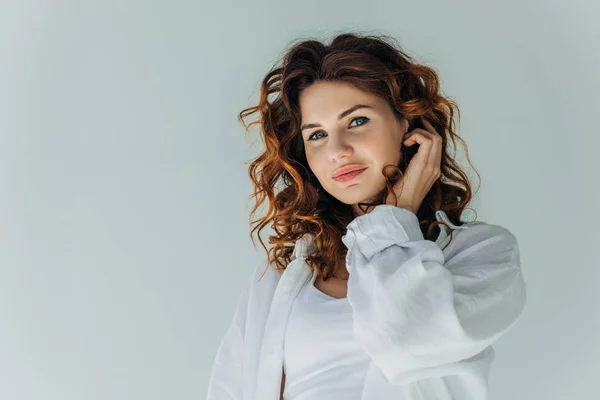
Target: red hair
<point>297,203</point>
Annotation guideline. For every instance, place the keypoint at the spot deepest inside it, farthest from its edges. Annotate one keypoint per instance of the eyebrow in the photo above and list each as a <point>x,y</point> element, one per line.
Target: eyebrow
<point>342,115</point>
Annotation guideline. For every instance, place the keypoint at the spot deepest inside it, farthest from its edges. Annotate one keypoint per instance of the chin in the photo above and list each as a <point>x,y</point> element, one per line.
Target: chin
<point>357,193</point>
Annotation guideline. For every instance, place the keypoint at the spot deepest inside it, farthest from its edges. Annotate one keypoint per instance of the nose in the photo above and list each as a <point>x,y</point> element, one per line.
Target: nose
<point>339,149</point>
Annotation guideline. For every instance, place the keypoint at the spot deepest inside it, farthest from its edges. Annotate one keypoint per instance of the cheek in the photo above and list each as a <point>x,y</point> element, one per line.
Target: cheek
<point>383,151</point>
<point>316,165</point>
<point>390,149</point>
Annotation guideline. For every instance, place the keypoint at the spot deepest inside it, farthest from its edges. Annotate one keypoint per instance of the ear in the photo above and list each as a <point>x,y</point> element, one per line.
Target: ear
<point>406,125</point>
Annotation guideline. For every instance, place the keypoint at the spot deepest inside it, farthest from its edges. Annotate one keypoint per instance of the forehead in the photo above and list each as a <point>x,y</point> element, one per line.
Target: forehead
<point>324,99</point>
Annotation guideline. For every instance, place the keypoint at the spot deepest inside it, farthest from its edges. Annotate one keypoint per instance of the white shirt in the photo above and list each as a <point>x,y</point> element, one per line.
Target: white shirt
<point>322,358</point>
<point>427,314</point>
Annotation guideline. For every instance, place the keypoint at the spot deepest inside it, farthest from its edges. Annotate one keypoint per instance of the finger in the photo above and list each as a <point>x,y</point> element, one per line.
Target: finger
<point>438,147</point>
<point>428,126</point>
<point>436,153</point>
<point>430,145</point>
<point>419,136</point>
<point>425,142</point>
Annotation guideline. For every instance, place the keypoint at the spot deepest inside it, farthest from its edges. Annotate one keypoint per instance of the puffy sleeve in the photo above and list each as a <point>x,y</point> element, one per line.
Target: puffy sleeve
<point>225,382</point>
<point>417,313</point>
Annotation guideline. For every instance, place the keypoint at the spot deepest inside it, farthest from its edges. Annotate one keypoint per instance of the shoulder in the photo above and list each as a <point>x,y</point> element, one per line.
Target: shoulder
<point>481,241</point>
<point>480,231</point>
<point>263,279</point>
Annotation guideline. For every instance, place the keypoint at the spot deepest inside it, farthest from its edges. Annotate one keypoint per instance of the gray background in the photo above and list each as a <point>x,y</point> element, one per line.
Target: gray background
<point>124,191</point>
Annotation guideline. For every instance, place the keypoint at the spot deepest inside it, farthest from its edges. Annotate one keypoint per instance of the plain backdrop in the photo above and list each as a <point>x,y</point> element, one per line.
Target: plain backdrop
<point>124,230</point>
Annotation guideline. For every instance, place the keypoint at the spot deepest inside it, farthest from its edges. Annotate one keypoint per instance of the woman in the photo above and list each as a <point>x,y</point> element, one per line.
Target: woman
<point>373,288</point>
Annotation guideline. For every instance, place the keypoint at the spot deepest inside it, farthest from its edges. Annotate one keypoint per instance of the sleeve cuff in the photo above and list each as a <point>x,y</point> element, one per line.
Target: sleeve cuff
<point>385,226</point>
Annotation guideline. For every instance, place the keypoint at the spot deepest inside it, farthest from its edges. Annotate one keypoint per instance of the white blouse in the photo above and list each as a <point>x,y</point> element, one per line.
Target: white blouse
<point>322,358</point>
<point>426,314</point>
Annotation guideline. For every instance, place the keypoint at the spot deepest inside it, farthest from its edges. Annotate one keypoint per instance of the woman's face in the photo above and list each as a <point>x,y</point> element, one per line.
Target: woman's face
<point>368,136</point>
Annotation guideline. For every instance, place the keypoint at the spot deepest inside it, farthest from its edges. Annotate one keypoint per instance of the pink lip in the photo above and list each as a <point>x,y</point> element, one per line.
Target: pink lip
<point>347,168</point>
<point>349,175</point>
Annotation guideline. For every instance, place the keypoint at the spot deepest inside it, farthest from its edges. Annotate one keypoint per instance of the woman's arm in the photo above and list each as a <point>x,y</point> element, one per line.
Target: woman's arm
<point>417,313</point>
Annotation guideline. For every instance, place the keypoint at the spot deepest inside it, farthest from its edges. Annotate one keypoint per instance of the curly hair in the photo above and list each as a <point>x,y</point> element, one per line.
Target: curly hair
<point>297,203</point>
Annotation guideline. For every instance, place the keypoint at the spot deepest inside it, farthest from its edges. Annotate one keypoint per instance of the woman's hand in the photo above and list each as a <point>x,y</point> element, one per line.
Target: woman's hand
<point>422,171</point>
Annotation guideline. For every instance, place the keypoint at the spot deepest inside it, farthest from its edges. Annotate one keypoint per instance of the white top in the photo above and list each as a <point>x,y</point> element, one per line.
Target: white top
<point>426,313</point>
<point>322,358</point>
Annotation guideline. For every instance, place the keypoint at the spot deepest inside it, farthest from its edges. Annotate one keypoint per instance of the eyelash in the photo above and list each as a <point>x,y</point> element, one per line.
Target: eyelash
<point>365,118</point>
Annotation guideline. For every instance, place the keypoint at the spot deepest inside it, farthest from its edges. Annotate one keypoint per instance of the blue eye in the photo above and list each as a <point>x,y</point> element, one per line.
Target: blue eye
<point>353,119</point>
